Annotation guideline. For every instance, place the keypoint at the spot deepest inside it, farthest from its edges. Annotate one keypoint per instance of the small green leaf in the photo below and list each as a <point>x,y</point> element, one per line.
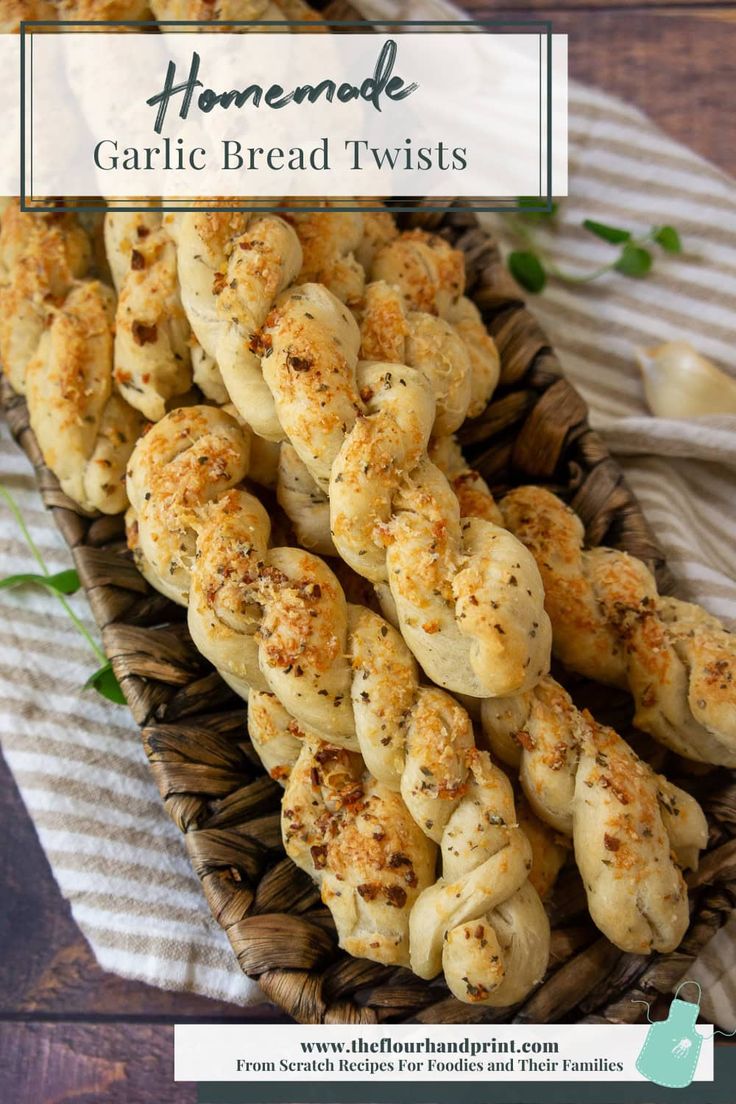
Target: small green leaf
<point>608,233</point>
<point>668,238</point>
<point>527,270</point>
<point>529,205</point>
<point>634,261</point>
<point>64,582</point>
<point>106,684</point>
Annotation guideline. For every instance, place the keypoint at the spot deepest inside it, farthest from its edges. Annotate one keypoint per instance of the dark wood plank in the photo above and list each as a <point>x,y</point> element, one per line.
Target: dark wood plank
<point>539,8</point>
<point>674,64</point>
<point>89,1064</point>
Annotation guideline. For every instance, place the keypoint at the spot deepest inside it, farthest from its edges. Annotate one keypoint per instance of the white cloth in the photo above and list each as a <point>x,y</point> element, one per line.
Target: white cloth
<point>79,763</point>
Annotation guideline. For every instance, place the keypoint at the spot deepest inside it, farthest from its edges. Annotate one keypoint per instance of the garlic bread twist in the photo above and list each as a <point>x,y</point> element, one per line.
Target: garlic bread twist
<point>86,432</point>
<point>277,737</point>
<point>41,256</point>
<point>329,239</point>
<point>610,624</point>
<point>276,621</point>
<point>482,923</point>
<point>582,779</point>
<point>231,268</point>
<point>632,830</point>
<point>394,335</point>
<point>430,275</point>
<point>359,844</point>
<point>468,599</point>
<point>152,353</point>
<point>176,471</point>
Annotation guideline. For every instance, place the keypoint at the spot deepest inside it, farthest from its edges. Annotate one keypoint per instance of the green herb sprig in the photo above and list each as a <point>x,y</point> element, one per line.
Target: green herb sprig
<point>532,267</point>
<point>62,584</point>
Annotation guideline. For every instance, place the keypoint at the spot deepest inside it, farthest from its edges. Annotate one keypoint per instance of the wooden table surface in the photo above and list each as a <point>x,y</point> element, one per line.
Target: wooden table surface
<point>71,1032</point>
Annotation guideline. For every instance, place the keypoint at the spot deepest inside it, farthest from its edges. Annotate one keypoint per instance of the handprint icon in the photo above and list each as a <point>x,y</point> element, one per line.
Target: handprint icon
<point>672,1047</point>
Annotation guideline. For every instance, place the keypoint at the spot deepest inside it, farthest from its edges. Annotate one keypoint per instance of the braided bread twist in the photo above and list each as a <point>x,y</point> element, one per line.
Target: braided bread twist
<point>610,624</point>
<point>430,275</point>
<point>632,829</point>
<point>276,619</point>
<point>586,782</point>
<point>40,258</point>
<point>277,738</point>
<point>393,335</point>
<point>230,272</point>
<point>85,431</point>
<point>329,240</point>
<point>123,233</point>
<point>357,841</point>
<point>181,465</point>
<point>468,599</point>
<point>426,269</point>
<point>152,358</point>
<point>481,922</point>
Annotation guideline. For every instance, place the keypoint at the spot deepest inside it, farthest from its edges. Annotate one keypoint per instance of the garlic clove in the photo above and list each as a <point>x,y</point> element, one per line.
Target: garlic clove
<point>680,383</point>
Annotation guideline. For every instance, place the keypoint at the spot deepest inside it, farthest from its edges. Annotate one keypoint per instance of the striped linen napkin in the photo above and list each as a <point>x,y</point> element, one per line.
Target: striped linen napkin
<point>79,763</point>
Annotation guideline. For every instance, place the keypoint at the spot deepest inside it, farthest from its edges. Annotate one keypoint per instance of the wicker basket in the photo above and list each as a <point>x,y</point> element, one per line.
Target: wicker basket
<point>215,790</point>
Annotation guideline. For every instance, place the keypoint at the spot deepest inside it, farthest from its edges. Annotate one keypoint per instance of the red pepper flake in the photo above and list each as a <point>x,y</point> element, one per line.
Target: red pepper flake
<point>143,334</point>
<point>319,856</point>
<point>396,896</point>
<point>611,843</point>
<point>298,364</point>
<point>137,261</point>
<point>399,859</point>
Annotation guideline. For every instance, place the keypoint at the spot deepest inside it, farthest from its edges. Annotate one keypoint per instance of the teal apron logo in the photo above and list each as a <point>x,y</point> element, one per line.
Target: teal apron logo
<point>672,1046</point>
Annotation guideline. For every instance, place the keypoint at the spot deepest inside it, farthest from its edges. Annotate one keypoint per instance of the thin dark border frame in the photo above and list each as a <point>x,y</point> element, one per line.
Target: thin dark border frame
<point>544,31</point>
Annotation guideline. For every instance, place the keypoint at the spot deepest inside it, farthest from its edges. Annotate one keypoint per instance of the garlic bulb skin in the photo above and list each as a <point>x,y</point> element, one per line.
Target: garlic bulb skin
<point>680,383</point>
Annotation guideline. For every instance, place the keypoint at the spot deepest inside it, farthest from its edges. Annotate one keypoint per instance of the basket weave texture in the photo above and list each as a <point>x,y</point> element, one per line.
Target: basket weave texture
<point>214,787</point>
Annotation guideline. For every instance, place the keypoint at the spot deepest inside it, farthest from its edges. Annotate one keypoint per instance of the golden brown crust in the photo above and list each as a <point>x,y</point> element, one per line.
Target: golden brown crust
<point>85,432</point>
<point>231,268</point>
<point>482,921</point>
<point>40,258</point>
<point>362,429</point>
<point>429,273</point>
<point>631,828</point>
<point>329,239</point>
<point>583,640</point>
<point>610,624</point>
<point>178,468</point>
<point>391,334</point>
<point>357,841</point>
<point>152,352</point>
